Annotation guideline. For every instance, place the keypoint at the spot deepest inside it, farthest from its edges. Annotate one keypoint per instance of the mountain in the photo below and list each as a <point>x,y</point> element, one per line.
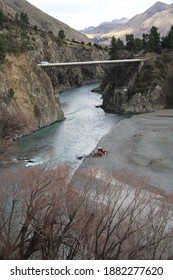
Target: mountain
<point>159,15</point>
<point>104,27</point>
<point>121,20</point>
<point>40,19</point>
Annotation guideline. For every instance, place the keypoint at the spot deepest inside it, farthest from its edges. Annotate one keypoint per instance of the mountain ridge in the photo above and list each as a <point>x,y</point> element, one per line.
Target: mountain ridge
<point>107,25</point>
<point>159,15</point>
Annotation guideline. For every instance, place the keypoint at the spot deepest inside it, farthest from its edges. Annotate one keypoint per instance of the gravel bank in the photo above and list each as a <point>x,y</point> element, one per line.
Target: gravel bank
<point>140,146</point>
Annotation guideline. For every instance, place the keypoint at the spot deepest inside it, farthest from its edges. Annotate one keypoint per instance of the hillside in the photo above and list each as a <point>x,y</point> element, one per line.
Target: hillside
<point>159,15</point>
<point>40,19</point>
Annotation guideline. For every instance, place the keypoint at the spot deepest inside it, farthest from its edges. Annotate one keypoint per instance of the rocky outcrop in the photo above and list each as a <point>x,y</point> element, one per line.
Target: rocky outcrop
<point>147,90</point>
<point>151,101</point>
<point>26,89</point>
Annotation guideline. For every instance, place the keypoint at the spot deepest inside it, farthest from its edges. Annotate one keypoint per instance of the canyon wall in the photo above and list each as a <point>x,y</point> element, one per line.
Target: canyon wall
<point>128,90</point>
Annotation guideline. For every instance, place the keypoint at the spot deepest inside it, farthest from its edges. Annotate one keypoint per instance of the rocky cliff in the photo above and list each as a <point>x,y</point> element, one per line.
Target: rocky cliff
<point>26,89</point>
<point>147,90</point>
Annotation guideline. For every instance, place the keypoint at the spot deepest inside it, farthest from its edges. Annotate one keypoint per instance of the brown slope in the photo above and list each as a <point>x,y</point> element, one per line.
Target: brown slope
<point>41,19</point>
<point>159,15</point>
<point>153,16</point>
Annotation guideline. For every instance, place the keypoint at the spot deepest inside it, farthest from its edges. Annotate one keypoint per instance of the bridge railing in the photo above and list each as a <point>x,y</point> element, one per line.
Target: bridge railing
<point>98,62</point>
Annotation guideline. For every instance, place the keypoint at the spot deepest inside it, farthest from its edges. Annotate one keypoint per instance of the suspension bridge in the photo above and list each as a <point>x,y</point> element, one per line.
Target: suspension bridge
<point>97,62</point>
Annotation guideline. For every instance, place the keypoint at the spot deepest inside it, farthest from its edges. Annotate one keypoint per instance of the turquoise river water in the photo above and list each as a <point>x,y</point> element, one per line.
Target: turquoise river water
<point>62,142</point>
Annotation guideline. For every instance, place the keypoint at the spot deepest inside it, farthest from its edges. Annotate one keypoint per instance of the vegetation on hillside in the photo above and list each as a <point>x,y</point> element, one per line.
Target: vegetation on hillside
<point>16,36</point>
<point>156,71</point>
<point>151,42</point>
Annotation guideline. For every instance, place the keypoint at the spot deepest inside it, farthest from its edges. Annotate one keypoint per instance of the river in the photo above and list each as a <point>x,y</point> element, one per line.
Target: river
<point>62,142</point>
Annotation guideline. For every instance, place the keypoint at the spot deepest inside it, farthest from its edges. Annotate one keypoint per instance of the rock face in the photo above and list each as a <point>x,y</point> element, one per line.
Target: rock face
<point>26,88</point>
<point>151,101</point>
<point>119,102</point>
<point>147,90</point>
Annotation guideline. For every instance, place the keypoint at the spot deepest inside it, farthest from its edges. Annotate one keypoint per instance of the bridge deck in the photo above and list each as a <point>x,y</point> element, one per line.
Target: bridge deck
<point>98,62</point>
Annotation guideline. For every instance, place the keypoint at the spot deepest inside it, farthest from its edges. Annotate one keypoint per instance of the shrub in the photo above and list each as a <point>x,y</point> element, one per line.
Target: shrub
<point>11,124</point>
<point>61,34</point>
<point>3,47</point>
<point>11,93</point>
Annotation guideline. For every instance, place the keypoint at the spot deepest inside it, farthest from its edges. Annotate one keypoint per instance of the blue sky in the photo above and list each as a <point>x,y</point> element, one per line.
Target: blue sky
<point>83,13</point>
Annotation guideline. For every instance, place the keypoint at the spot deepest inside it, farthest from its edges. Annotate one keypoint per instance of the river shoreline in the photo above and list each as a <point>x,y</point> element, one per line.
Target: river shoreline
<point>62,142</point>
<point>141,147</point>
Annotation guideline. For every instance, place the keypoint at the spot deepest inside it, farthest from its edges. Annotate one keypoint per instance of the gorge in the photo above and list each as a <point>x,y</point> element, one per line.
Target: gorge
<point>53,204</point>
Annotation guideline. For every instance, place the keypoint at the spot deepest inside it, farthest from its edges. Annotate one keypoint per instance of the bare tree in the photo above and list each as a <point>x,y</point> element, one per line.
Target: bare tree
<point>11,126</point>
<point>46,216</point>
